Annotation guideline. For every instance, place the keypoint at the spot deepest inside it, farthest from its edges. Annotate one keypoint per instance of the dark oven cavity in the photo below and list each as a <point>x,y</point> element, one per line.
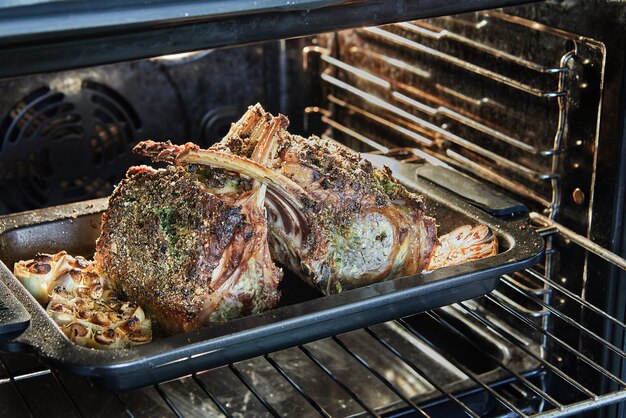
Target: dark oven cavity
<point>527,99</point>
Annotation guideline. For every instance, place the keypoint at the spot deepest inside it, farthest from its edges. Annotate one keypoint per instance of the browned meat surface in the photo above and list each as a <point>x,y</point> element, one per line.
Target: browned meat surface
<point>364,226</point>
<point>334,219</point>
<point>189,243</point>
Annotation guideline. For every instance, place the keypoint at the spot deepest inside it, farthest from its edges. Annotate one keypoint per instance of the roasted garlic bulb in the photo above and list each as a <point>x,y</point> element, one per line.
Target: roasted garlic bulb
<point>78,300</point>
<point>463,244</point>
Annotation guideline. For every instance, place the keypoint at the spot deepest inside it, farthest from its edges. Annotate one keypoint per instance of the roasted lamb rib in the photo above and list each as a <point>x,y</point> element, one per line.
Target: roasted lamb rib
<point>189,242</point>
<point>334,219</point>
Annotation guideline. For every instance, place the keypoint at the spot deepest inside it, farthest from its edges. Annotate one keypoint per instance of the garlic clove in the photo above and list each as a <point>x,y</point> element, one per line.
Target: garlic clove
<point>36,277</point>
<point>138,338</point>
<point>62,318</point>
<point>108,339</point>
<point>75,329</point>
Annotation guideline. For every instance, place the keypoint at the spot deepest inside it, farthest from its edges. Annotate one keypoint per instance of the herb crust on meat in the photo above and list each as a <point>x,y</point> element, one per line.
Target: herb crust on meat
<point>189,244</point>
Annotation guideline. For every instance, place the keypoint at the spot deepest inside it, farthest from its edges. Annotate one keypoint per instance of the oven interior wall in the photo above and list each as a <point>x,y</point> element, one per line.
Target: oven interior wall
<point>67,136</point>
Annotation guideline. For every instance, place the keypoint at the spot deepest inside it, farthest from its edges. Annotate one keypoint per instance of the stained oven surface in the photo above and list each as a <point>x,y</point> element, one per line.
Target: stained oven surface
<point>528,99</point>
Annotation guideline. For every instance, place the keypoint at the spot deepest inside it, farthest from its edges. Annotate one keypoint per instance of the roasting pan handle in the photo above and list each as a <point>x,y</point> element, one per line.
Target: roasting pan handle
<point>472,191</point>
<point>14,318</point>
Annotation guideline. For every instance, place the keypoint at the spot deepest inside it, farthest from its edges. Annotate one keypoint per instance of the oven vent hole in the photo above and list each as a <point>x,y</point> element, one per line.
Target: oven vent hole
<point>41,114</point>
<point>25,185</point>
<point>115,122</point>
<point>112,100</point>
<point>78,187</point>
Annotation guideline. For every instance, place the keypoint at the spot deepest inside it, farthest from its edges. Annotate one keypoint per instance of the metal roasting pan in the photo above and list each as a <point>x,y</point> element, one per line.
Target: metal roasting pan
<point>303,315</point>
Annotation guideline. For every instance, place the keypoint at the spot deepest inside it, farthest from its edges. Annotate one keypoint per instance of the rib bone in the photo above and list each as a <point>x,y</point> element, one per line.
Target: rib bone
<point>190,153</point>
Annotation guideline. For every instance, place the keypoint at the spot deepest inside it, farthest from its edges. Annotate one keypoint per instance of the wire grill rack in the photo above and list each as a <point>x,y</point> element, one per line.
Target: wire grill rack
<point>411,365</point>
<point>474,90</point>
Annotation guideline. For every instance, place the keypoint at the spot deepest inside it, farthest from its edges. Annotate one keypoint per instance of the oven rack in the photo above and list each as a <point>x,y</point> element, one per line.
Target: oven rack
<point>390,76</point>
<point>307,380</point>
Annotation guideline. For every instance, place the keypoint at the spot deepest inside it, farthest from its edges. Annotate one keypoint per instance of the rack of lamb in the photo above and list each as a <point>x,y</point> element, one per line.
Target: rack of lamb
<point>334,219</point>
